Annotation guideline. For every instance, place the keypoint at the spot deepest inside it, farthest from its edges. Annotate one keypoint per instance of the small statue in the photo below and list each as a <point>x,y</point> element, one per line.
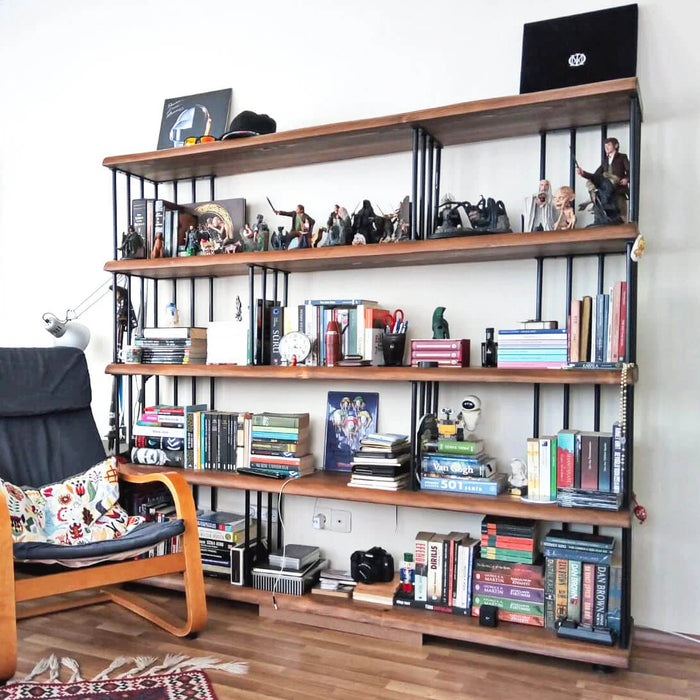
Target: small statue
<point>540,214</point>
<point>157,251</point>
<point>448,218</point>
<point>278,240</point>
<point>172,316</point>
<point>192,241</point>
<point>441,328</point>
<point>364,222</point>
<point>469,416</point>
<point>248,238</point>
<point>518,474</point>
<point>564,201</point>
<point>301,229</point>
<point>132,246</point>
<point>239,309</point>
<point>338,228</point>
<point>262,233</point>
<point>604,198</point>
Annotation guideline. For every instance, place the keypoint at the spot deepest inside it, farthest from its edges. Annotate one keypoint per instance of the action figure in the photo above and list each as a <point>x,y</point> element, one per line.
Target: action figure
<point>564,201</point>
<point>448,219</point>
<point>616,164</point>
<point>132,245</point>
<point>468,417</point>
<point>157,251</point>
<point>364,225</point>
<point>339,228</point>
<point>540,214</point>
<point>278,240</point>
<point>248,238</point>
<point>192,240</point>
<point>262,233</point>
<point>301,229</point>
<point>441,329</point>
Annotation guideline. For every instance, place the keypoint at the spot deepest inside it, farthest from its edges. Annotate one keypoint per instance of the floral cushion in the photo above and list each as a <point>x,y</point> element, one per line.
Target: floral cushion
<point>79,510</point>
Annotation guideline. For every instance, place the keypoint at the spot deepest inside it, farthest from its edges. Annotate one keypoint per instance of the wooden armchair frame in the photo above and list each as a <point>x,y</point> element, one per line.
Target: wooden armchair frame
<point>105,577</point>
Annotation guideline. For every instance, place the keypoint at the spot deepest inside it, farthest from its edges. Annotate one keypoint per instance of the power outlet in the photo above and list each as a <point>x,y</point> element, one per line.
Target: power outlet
<point>263,513</point>
<point>341,521</point>
<point>324,521</point>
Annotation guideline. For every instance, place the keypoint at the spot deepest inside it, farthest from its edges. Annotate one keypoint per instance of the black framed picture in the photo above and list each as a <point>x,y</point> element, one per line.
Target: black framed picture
<point>205,114</point>
<point>350,416</point>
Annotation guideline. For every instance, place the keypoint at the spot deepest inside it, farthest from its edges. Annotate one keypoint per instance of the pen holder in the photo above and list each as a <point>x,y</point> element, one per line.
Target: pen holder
<point>393,346</point>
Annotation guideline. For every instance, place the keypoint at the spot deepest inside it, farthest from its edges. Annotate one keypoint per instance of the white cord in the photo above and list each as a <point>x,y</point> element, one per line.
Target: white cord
<point>284,538</point>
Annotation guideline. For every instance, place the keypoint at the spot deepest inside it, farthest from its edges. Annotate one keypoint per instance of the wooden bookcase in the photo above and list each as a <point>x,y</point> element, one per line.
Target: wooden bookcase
<point>537,113</point>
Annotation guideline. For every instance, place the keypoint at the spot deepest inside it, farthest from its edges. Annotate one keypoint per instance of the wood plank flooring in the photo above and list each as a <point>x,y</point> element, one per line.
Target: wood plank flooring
<point>289,660</point>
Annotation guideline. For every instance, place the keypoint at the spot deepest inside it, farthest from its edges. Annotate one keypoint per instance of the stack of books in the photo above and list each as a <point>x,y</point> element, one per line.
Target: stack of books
<point>292,569</point>
<point>515,588</point>
<point>533,348</point>
<point>578,575</point>
<point>222,541</point>
<point>280,445</point>
<point>335,583</point>
<point>159,436</point>
<point>459,466</point>
<point>382,462</point>
<point>173,345</point>
<point>509,539</point>
<point>450,352</point>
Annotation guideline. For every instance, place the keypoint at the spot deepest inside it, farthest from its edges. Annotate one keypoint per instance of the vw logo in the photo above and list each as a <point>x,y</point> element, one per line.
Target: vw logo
<point>577,59</point>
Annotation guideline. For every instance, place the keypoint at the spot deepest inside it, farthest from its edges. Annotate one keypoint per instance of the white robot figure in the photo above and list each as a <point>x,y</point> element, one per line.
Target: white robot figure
<point>468,417</point>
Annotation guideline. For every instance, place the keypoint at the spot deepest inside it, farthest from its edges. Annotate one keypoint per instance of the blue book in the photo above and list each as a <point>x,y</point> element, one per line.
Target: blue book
<point>577,555</point>
<point>484,487</point>
<point>553,332</point>
<point>339,302</point>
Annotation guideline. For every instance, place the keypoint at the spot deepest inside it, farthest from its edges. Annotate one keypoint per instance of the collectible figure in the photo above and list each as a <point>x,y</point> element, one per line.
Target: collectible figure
<point>441,328</point>
<point>564,202</point>
<point>518,474</point>
<point>604,198</point>
<point>339,228</point>
<point>248,238</point>
<point>540,214</point>
<point>278,240</point>
<point>302,227</point>
<point>448,219</point>
<point>262,233</point>
<point>469,416</point>
<point>157,251</point>
<point>192,241</point>
<point>366,223</point>
<point>616,164</point>
<point>132,245</point>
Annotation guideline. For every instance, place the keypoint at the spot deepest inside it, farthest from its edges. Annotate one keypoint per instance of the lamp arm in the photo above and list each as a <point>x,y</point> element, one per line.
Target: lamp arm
<point>90,300</point>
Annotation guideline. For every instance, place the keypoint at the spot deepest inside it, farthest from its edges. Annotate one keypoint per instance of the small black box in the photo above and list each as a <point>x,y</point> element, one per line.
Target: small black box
<point>488,615</point>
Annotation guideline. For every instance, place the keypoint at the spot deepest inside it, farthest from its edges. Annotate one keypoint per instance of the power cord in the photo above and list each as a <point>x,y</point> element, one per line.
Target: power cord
<point>284,539</point>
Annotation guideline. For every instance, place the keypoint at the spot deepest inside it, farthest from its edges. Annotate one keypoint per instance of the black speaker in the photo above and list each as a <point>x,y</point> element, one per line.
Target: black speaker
<point>488,615</point>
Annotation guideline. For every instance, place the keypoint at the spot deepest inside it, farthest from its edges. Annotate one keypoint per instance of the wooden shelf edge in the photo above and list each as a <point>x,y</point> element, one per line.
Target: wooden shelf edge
<point>334,486</point>
<point>461,628</point>
<point>479,375</point>
<point>473,248</point>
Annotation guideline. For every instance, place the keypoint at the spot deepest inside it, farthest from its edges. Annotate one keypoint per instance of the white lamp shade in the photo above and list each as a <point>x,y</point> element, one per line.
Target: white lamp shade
<point>67,333</point>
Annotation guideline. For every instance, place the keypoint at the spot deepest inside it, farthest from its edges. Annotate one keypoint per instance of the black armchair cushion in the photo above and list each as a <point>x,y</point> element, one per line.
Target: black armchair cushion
<point>142,537</point>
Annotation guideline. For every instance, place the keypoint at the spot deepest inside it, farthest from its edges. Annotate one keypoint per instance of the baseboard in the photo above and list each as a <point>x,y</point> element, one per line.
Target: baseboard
<point>650,637</point>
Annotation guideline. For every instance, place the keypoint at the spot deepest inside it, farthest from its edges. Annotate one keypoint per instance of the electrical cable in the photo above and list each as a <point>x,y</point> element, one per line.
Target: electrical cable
<point>284,539</point>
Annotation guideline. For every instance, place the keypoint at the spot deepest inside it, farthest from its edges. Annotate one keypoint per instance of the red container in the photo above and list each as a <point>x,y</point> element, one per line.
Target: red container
<point>332,341</point>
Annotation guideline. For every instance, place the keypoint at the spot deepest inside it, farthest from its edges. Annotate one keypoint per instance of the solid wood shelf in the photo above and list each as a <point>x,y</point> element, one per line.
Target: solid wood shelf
<point>474,248</point>
<point>480,120</point>
<point>323,484</point>
<point>523,638</point>
<point>475,375</point>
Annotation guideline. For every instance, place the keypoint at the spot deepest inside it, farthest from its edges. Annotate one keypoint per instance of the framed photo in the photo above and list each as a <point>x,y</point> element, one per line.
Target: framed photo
<point>350,416</point>
<point>194,115</point>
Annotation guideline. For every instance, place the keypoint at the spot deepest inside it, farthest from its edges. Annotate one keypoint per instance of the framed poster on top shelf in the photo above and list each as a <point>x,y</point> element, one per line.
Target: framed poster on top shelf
<point>350,416</point>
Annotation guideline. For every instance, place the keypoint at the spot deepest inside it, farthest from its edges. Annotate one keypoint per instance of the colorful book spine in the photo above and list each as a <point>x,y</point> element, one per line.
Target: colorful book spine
<point>574,604</point>
<point>600,604</point>
<point>519,618</point>
<point>421,562</point>
<point>532,595</point>
<point>485,487</point>
<point>517,606</point>
<point>561,589</point>
<point>587,593</point>
<point>456,467</point>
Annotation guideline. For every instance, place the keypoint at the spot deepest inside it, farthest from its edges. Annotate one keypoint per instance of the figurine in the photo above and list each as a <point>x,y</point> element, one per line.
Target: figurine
<point>540,214</point>
<point>339,228</point>
<point>132,245</point>
<point>614,163</point>
<point>359,239</point>
<point>402,232</point>
<point>278,240</point>
<point>603,191</point>
<point>248,238</point>
<point>564,201</point>
<point>239,309</point>
<point>172,316</point>
<point>441,329</point>
<point>262,233</point>
<point>469,416</point>
<point>157,251</point>
<point>364,222</point>
<point>448,219</point>
<point>302,227</point>
<point>518,474</point>
<point>192,241</point>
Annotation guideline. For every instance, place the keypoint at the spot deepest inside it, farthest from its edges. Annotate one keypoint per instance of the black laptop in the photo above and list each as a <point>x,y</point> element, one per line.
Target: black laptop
<point>579,49</point>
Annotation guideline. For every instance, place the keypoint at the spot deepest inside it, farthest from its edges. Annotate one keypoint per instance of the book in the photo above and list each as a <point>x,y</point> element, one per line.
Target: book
<point>590,556</point>
<point>384,440</point>
<point>348,301</point>
<point>585,335</point>
<point>281,420</point>
<point>600,596</point>
<point>220,520</point>
<point>484,487</point>
<point>454,447</point>
<point>526,593</point>
<point>574,604</point>
<point>173,332</point>
<point>154,457</point>
<point>421,565</point>
<point>441,345</point>
<point>589,460</point>
<point>454,466</point>
<point>575,538</point>
<point>380,593</point>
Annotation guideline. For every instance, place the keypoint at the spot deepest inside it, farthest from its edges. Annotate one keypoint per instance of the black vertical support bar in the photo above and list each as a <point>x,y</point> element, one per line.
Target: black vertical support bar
<point>436,396</point>
<point>596,387</point>
<point>275,274</point>
<point>414,184</point>
<point>258,517</point>
<point>213,498</point>
<point>263,314</point>
<point>603,136</point>
<point>212,180</point>
<point>543,154</point>
<point>251,313</point>
<point>421,189</point>
<point>572,159</point>
<point>269,521</point>
<point>212,383</point>
<point>436,187</point>
<point>538,316</point>
<point>127,203</point>
<point>192,323</point>
<point>155,323</point>
<point>115,227</point>
<point>285,287</point>
<point>634,157</point>
<point>247,577</point>
<point>415,450</point>
<point>422,399</point>
<point>194,190</point>
<point>430,147</point>
<point>279,538</point>
<point>569,287</point>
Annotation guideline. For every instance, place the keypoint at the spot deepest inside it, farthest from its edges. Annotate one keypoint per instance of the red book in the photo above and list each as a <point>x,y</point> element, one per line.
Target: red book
<point>441,344</point>
<point>587,593</point>
<point>615,326</point>
<point>437,354</point>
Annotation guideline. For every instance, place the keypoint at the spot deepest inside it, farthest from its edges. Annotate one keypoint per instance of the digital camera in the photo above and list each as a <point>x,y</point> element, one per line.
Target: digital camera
<point>372,566</point>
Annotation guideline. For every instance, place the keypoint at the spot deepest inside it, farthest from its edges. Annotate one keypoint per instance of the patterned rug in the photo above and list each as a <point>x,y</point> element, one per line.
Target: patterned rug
<point>187,685</point>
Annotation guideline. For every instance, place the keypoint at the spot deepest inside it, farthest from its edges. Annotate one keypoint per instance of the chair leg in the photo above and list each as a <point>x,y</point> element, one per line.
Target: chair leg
<point>8,623</point>
<point>195,596</point>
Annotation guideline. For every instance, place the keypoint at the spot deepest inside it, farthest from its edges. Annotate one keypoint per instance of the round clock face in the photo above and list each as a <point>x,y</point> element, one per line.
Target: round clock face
<point>295,344</point>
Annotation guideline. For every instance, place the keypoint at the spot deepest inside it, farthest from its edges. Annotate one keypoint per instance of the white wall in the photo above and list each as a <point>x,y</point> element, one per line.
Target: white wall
<point>82,80</point>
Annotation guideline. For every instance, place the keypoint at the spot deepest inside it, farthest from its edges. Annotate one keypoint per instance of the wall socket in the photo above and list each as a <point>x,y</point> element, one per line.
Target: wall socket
<point>341,521</point>
<point>323,522</point>
<point>254,512</point>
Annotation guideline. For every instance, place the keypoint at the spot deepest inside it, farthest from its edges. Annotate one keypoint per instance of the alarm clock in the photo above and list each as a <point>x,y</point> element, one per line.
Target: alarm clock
<point>294,345</point>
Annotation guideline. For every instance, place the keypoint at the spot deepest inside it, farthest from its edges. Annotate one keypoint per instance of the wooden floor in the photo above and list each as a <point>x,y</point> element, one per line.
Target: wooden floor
<point>297,661</point>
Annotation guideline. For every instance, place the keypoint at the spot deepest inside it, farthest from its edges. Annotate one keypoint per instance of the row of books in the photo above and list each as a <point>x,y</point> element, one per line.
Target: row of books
<point>535,348</point>
<point>172,345</point>
<point>574,463</point>
<point>598,326</point>
<point>583,582</point>
<point>449,352</point>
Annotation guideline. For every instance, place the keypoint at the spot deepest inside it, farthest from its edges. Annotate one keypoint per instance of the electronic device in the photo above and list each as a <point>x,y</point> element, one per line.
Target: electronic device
<point>572,630</point>
<point>488,615</point>
<point>374,565</point>
<point>579,49</point>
